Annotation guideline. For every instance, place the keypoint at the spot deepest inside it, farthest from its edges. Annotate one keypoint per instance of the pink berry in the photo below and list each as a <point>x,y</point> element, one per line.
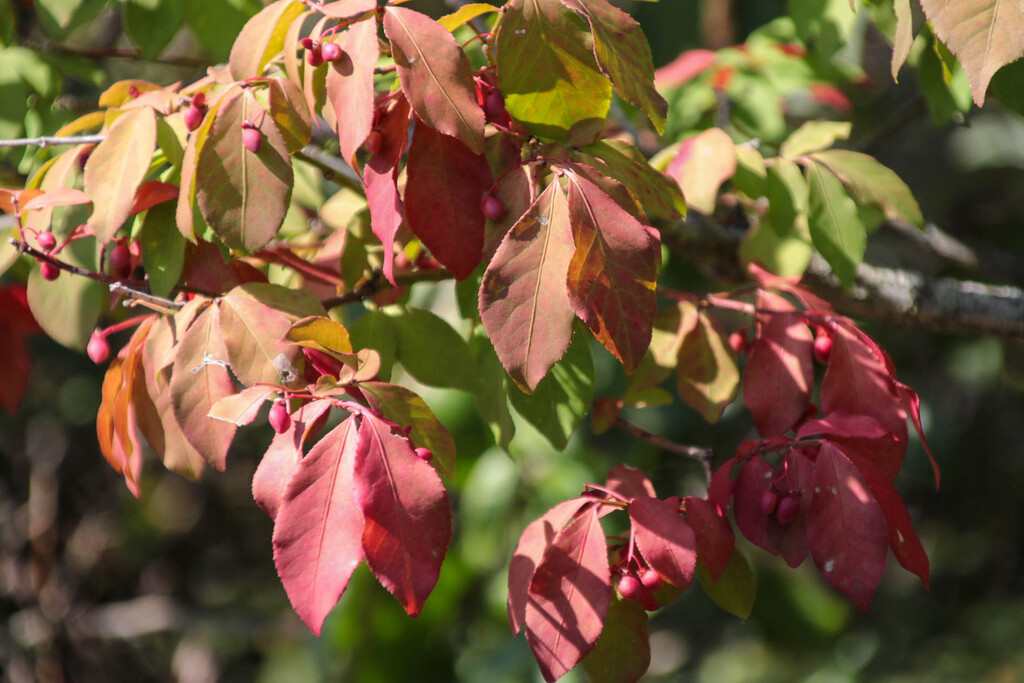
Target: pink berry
<point>823,347</point>
<point>98,349</point>
<point>331,52</point>
<point>738,342</point>
<point>49,271</point>
<point>494,104</point>
<point>46,241</point>
<point>651,580</point>
<point>787,510</point>
<point>374,142</point>
<point>194,116</point>
<point>252,138</point>
<point>121,261</point>
<point>630,587</point>
<point>315,56</point>
<point>492,207</point>
<point>307,43</point>
<point>424,454</point>
<point>278,417</point>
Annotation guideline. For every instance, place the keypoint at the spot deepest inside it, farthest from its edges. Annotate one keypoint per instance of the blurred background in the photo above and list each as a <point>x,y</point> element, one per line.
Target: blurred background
<point>180,583</point>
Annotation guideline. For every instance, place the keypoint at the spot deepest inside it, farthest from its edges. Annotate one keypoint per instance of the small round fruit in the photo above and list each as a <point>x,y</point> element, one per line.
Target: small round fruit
<point>315,57</point>
<point>374,142</point>
<point>278,417</point>
<point>630,587</point>
<point>98,349</point>
<point>424,454</point>
<point>494,104</point>
<point>787,510</point>
<point>307,43</point>
<point>331,52</point>
<point>194,116</point>
<point>738,342</point>
<point>252,138</point>
<point>651,580</point>
<point>121,261</point>
<point>49,271</point>
<point>492,207</point>
<point>46,241</point>
<point>823,347</point>
<point>769,500</point>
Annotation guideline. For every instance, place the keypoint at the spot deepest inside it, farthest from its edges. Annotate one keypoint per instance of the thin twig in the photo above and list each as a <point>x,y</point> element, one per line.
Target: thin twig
<point>340,172</point>
<point>376,283</point>
<point>49,141</point>
<point>137,297</point>
<point>704,455</point>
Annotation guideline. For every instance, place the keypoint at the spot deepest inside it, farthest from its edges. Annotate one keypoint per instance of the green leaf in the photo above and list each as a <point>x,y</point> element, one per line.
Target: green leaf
<point>67,308</point>
<point>152,25</point>
<point>163,249</point>
<point>492,394</point>
<point>707,378</point>
<point>60,18</point>
<point>786,255</point>
<point>946,90</point>
<point>786,190</point>
<point>826,24</point>
<point>624,56</point>
<point>874,184</point>
<point>561,400</point>
<point>814,136</point>
<point>623,652</point>
<point>431,351</point>
<point>751,175</point>
<point>735,591</point>
<point>548,73</point>
<point>212,20</point>
<point>375,330</point>
<point>835,225</point>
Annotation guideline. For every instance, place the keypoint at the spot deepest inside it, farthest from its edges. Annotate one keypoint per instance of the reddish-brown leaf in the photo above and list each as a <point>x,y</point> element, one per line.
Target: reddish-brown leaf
<point>62,196</point>
<point>262,38</point>
<point>755,478</point>
<point>199,379</point>
<point>524,303</point>
<point>152,193</point>
<point>780,372</point>
<point>116,167</point>
<point>242,408</point>
<point>435,75</point>
<point>666,540</point>
<point>846,528</point>
<point>350,86</point>
<point>630,482</point>
<point>380,177</point>
<point>346,9</point>
<point>444,186</point>
<point>714,536</point>
<point>535,539</point>
<point>318,527</point>
<point>408,519</point>
<point>569,596</point>
<point>252,333</point>
<point>613,272</point>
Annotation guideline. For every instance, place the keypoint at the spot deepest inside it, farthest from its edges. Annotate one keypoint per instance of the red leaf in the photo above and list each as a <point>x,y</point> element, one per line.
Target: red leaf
<point>906,546</point>
<point>62,196</point>
<point>720,486</point>
<point>317,531</point>
<point>684,68</point>
<point>282,458</point>
<point>524,304</point>
<point>613,271</point>
<point>667,542</point>
<point>15,365</point>
<point>569,596</point>
<point>755,478</point>
<point>436,75</point>
<point>840,425</point>
<point>790,540</point>
<point>408,520</point>
<point>912,404</point>
<point>380,177</point>
<point>779,374</point>
<point>630,482</point>
<point>350,86</point>
<point>152,193</point>
<point>445,183</point>
<point>714,537</point>
<point>846,528</point>
<point>535,539</point>
<point>858,383</point>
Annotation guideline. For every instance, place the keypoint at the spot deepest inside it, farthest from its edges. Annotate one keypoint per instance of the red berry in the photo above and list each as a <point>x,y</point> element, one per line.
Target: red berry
<point>46,241</point>
<point>194,116</point>
<point>121,261</point>
<point>494,104</point>
<point>49,271</point>
<point>787,510</point>
<point>278,417</point>
<point>199,99</point>
<point>252,138</point>
<point>133,92</point>
<point>331,52</point>
<point>492,207</point>
<point>823,347</point>
<point>98,349</point>
<point>630,587</point>
<point>651,580</point>
<point>307,43</point>
<point>738,342</point>
<point>424,454</point>
<point>374,142</point>
<point>315,56</point>
<point>769,499</point>
<point>427,262</point>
